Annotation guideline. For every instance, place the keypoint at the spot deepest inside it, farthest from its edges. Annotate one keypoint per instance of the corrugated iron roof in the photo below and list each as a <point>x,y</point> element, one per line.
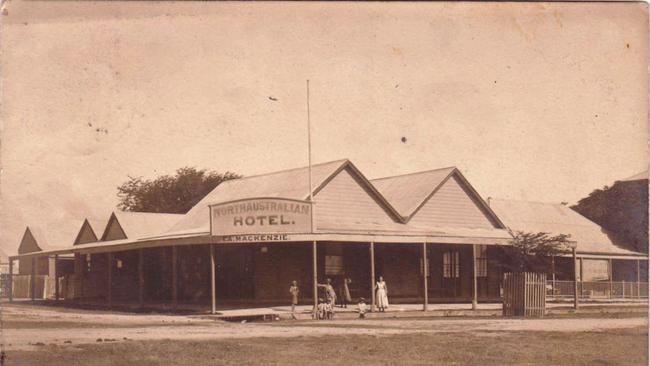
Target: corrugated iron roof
<point>407,192</point>
<point>56,236</point>
<point>557,219</point>
<point>293,183</point>
<point>97,225</point>
<point>138,225</point>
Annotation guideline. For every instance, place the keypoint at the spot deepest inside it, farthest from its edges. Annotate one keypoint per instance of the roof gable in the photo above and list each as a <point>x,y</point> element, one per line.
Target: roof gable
<point>293,183</point>
<point>409,193</point>
<point>86,234</point>
<point>138,225</point>
<point>346,200</point>
<point>28,243</point>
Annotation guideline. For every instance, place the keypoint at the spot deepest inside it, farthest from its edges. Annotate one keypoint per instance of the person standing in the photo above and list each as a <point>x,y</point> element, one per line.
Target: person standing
<point>382,294</point>
<point>295,292</point>
<point>330,293</point>
<point>345,292</point>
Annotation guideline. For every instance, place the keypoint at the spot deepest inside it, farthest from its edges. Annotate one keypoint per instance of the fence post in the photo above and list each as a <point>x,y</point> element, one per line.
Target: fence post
<point>638,279</point>
<point>623,285</point>
<point>553,274</point>
<point>11,280</point>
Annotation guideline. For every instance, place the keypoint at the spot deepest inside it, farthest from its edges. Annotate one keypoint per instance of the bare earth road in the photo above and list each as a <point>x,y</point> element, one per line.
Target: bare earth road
<point>26,327</point>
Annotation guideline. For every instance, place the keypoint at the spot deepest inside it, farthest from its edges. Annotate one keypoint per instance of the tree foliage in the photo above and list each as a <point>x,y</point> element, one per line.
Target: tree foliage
<point>533,252</point>
<point>622,210</point>
<point>170,193</point>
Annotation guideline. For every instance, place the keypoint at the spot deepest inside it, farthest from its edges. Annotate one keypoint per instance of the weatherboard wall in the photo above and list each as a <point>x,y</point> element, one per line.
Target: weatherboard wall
<point>344,202</point>
<point>452,206</point>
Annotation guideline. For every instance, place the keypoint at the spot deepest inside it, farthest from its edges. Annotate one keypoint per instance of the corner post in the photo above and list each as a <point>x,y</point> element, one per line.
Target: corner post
<point>474,280</point>
<point>213,281</point>
<point>141,277</point>
<point>56,278</point>
<point>575,279</point>
<point>425,275</point>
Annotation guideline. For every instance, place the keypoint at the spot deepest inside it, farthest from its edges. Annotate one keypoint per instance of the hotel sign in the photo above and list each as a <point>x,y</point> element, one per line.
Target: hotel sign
<point>258,216</point>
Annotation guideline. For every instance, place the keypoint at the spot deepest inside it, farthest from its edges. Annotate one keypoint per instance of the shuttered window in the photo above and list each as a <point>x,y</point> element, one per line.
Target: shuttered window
<point>481,261</point>
<point>451,264</point>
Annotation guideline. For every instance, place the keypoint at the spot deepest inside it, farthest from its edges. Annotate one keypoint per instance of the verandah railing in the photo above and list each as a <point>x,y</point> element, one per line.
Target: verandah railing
<point>598,289</point>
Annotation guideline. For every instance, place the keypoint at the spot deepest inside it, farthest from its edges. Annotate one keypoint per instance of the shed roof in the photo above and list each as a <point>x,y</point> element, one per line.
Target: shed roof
<point>639,176</point>
<point>138,225</point>
<point>558,219</point>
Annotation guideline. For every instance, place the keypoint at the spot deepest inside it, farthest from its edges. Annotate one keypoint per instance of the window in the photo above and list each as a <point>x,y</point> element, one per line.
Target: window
<point>451,264</point>
<point>481,261</point>
<point>333,265</point>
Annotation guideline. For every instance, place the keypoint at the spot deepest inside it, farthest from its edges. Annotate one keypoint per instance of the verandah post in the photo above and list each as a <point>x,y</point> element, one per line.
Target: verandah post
<point>32,280</point>
<point>425,274</point>
<point>638,279</point>
<point>109,270</point>
<point>174,276</point>
<point>575,280</point>
<point>372,276</point>
<point>611,278</point>
<point>213,280</point>
<point>553,275</point>
<point>56,277</point>
<point>11,280</point>
<point>474,280</point>
<point>141,277</point>
<point>582,279</point>
<point>314,251</point>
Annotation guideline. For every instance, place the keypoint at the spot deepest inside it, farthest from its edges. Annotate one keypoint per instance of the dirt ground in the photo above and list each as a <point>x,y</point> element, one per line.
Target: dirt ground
<point>34,335</point>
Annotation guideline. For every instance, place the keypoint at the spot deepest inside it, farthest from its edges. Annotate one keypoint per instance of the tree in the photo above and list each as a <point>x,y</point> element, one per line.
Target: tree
<point>170,194</point>
<point>622,210</point>
<point>533,252</point>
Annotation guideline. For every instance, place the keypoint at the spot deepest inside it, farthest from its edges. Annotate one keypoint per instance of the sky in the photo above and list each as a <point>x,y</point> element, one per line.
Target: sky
<point>531,101</point>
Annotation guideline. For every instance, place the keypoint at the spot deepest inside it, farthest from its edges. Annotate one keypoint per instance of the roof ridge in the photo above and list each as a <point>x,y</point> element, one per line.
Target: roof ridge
<point>414,173</point>
<point>284,171</point>
<point>528,201</point>
<point>119,212</point>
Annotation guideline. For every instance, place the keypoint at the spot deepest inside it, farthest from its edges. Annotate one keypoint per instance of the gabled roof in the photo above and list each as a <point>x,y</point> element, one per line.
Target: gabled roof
<point>98,226</point>
<point>58,236</point>
<point>136,225</point>
<point>292,183</point>
<point>558,219</point>
<point>409,192</point>
<point>94,226</point>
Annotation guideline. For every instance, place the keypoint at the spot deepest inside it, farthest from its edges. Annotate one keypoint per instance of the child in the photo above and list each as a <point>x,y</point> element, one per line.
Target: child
<point>362,308</point>
<point>295,292</point>
<point>322,309</point>
<point>329,311</point>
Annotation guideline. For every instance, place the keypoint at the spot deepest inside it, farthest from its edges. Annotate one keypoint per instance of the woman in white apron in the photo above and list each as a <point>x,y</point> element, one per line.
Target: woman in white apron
<point>382,294</point>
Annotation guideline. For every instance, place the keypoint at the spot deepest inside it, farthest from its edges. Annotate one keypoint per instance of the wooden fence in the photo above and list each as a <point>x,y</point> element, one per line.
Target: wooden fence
<point>524,294</point>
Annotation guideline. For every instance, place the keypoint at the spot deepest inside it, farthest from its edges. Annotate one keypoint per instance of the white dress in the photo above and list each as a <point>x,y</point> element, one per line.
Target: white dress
<point>382,295</point>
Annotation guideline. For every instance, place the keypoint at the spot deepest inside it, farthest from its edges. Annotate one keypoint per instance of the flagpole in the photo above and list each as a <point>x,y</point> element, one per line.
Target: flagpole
<point>311,190</point>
